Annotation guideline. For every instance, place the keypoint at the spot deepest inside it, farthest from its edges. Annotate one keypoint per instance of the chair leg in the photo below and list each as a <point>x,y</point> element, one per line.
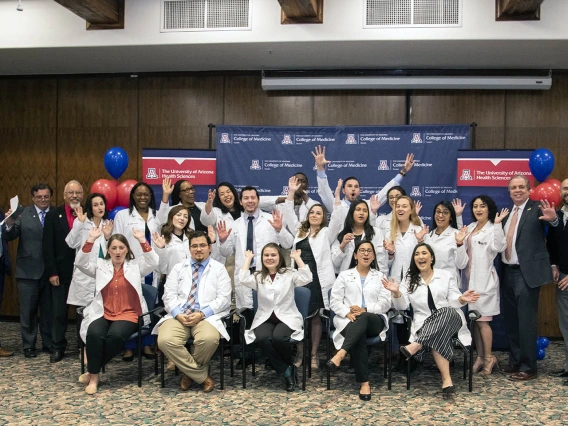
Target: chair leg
<point>222,363</point>
<point>243,360</point>
<point>408,374</point>
<point>139,360</point>
<point>82,358</point>
<point>163,376</point>
<point>389,364</point>
<point>253,346</point>
<point>328,354</point>
<point>470,369</point>
<point>385,367</point>
<point>304,361</point>
<point>231,346</point>
<point>465,363</point>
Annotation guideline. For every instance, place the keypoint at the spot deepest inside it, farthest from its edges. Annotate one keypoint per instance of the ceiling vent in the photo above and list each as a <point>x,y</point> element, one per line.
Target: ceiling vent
<point>412,13</point>
<point>205,15</point>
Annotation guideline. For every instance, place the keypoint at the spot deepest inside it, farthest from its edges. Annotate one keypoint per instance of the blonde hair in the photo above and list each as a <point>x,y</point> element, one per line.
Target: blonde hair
<point>414,219</point>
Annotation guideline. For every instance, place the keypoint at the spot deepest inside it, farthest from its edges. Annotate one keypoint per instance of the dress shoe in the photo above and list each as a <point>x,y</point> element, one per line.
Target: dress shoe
<point>510,369</point>
<point>208,385</point>
<point>291,381</point>
<point>185,383</point>
<point>558,373</point>
<point>365,396</point>
<point>57,356</point>
<point>128,358</point>
<point>4,353</point>
<point>407,355</point>
<point>488,365</point>
<point>147,355</point>
<point>478,364</point>
<point>522,376</point>
<point>84,378</point>
<point>171,366</point>
<point>30,353</point>
<point>332,366</point>
<point>91,389</point>
<point>448,391</point>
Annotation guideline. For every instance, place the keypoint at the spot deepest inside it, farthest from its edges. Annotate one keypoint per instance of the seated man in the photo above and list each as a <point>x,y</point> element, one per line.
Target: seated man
<point>197,295</point>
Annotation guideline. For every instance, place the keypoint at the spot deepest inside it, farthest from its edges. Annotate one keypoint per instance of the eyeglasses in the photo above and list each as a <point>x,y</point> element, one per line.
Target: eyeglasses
<point>187,190</point>
<point>442,213</point>
<point>198,246</point>
<point>42,197</point>
<point>74,192</point>
<point>365,251</point>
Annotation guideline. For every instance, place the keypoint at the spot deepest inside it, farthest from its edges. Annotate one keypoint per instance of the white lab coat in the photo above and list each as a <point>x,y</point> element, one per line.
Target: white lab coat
<point>445,293</point>
<point>320,245</point>
<point>236,243</point>
<point>164,210</point>
<point>214,290</point>
<point>213,219</point>
<point>445,249</point>
<point>103,271</point>
<point>342,259</point>
<point>483,278</point>
<point>347,292</point>
<point>82,288</point>
<point>268,204</point>
<point>404,250</point>
<point>176,251</point>
<point>277,296</point>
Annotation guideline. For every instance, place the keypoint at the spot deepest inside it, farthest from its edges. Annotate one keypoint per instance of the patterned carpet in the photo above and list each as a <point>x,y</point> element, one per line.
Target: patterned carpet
<point>35,392</point>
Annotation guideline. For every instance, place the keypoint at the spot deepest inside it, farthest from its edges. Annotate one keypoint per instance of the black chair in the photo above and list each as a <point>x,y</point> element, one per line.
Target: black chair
<point>150,294</point>
<point>327,315</point>
<point>472,316</point>
<point>302,298</point>
<point>228,322</point>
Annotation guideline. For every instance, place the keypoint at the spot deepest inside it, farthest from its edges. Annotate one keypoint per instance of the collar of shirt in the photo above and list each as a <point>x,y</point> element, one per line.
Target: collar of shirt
<point>521,207</point>
<point>38,209</point>
<point>203,264</point>
<point>256,215</point>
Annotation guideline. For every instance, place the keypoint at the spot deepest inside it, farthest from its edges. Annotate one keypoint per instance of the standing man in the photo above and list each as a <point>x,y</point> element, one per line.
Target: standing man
<point>59,259</point>
<point>197,295</point>
<point>5,269</point>
<point>33,285</point>
<point>557,243</point>
<point>526,267</point>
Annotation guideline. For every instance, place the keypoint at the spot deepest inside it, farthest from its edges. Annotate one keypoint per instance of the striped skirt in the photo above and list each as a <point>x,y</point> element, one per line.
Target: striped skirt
<point>437,331</point>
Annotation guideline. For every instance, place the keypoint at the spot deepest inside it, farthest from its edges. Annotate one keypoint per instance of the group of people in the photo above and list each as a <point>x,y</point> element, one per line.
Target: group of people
<point>207,258</point>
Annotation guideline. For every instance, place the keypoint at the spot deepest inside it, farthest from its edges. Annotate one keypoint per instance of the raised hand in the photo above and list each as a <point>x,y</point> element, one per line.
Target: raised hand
<point>420,234</point>
<point>389,246</point>
<point>408,163</point>
<point>94,233</point>
<point>296,255</point>
<point>276,221</point>
<point>503,214</point>
<point>337,192</point>
<point>222,231</point>
<point>461,235</point>
<point>347,238</point>
<point>391,285</point>
<point>319,156</point>
<point>470,296</point>
<point>548,212</point>
<point>458,206</point>
<point>375,203</point>
<point>293,186</point>
<point>167,187</point>
<point>249,255</point>
<point>107,228</point>
<point>211,233</point>
<point>159,240</point>
<point>139,235</point>
<point>417,207</point>
<point>80,215</point>
<point>211,195</point>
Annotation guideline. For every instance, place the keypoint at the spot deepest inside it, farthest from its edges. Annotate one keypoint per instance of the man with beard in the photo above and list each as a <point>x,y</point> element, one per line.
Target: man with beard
<point>59,259</point>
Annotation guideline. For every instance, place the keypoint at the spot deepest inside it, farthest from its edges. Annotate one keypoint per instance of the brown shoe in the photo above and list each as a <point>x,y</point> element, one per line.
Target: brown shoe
<point>186,382</point>
<point>522,376</point>
<point>510,369</point>
<point>208,384</point>
<point>4,353</point>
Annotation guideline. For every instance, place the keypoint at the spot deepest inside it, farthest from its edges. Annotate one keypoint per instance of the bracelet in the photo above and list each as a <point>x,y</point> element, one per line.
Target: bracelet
<point>402,173</point>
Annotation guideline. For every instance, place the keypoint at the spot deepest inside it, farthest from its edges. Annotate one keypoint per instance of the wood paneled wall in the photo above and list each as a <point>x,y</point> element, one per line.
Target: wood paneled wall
<point>57,129</point>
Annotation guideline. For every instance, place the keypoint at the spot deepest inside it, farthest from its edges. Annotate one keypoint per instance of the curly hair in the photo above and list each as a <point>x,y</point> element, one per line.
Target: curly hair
<point>491,206</point>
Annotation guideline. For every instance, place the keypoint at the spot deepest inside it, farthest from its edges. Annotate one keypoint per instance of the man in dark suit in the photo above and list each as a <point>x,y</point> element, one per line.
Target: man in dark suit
<point>33,286</point>
<point>5,269</point>
<point>59,259</point>
<point>526,267</point>
<point>557,243</point>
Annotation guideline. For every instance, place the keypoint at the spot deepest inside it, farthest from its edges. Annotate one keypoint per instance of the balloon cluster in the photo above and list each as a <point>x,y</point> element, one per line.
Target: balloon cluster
<point>117,195</point>
<point>541,164</point>
<point>541,345</point>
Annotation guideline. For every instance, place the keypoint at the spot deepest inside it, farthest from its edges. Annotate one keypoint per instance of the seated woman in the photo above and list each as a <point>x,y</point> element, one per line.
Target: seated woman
<point>111,318</point>
<point>436,302</point>
<point>277,319</point>
<point>359,301</point>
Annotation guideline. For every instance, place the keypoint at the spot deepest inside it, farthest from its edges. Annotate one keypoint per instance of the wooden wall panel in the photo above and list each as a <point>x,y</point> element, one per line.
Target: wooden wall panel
<point>486,108</point>
<point>363,108</point>
<point>246,103</point>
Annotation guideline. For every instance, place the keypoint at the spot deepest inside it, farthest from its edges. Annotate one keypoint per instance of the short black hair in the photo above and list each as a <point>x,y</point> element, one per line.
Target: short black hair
<point>248,188</point>
<point>198,234</point>
<point>350,178</point>
<point>39,187</point>
<point>396,188</point>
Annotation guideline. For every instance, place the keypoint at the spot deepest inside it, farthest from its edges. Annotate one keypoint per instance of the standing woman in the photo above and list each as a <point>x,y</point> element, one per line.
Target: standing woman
<point>436,302</point>
<point>277,319</point>
<point>482,242</point>
<point>357,228</point>
<point>111,318</point>
<point>360,302</point>
<point>313,238</point>
<point>141,215</point>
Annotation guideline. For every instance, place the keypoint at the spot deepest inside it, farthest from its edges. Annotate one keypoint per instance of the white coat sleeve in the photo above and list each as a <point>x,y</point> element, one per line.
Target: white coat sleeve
<point>285,238</point>
<point>335,224</point>
<point>382,303</point>
<point>380,253</point>
<point>222,302</point>
<point>120,222</point>
<point>162,213</point>
<point>84,263</point>
<point>208,219</point>
<point>454,293</point>
<point>74,237</point>
<point>499,243</point>
<point>248,280</point>
<point>227,248</point>
<point>289,216</point>
<point>337,255</point>
<point>267,203</point>
<point>148,262</point>
<point>170,296</point>
<point>326,194</point>
<point>337,297</point>
<point>302,276</point>
<point>403,302</point>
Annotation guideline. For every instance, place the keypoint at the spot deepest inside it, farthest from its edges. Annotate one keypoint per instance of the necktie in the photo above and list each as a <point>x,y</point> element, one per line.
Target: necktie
<point>249,234</point>
<point>193,291</point>
<point>42,217</point>
<point>511,232</point>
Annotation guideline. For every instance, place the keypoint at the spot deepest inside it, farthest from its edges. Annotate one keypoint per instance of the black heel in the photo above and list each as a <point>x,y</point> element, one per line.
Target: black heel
<point>405,352</point>
<point>332,366</point>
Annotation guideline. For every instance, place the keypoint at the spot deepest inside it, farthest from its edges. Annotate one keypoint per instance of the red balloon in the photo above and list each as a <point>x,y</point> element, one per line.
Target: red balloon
<point>546,191</point>
<point>108,189</point>
<point>123,190</point>
<point>554,182</point>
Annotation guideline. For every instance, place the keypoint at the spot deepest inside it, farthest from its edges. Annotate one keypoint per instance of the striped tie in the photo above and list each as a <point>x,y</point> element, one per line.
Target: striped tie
<point>193,291</point>
<point>42,217</point>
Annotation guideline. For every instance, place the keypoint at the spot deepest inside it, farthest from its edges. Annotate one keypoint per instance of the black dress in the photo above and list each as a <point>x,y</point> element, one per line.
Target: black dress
<point>316,298</point>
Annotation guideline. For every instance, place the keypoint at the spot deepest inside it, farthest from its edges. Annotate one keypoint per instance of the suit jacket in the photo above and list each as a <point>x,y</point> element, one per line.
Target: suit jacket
<point>531,247</point>
<point>27,227</point>
<point>557,243</point>
<point>57,255</point>
<point>5,253</point>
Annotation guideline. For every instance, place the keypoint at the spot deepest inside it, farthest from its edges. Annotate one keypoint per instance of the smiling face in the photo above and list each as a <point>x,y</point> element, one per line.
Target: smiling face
<point>364,255</point>
<point>142,197</point>
<point>315,216</point>
<point>226,196</point>
<point>249,201</point>
<point>403,210</point>
<point>442,216</point>
<point>270,259</point>
<point>187,193</point>
<point>351,190</point>
<point>199,249</point>
<point>98,207</point>
<point>180,219</point>
<point>117,251</point>
<point>423,259</point>
<point>393,196</point>
<point>42,198</point>
<point>519,190</point>
<point>564,191</point>
<point>360,214</point>
<point>480,210</point>
<point>73,194</point>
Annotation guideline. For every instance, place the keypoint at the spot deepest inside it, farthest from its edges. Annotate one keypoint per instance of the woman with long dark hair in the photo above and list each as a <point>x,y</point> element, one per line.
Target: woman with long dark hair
<point>436,302</point>
<point>277,319</point>
<point>359,301</point>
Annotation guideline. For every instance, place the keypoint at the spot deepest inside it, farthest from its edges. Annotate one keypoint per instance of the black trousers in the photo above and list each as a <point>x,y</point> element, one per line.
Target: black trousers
<point>274,339</point>
<point>356,334</point>
<point>105,339</point>
<point>59,315</point>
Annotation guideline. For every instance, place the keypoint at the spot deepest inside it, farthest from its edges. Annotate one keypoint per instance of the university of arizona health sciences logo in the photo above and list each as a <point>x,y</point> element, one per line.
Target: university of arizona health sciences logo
<point>225,138</point>
<point>151,173</point>
<point>284,190</point>
<point>351,140</point>
<point>415,192</point>
<point>255,165</point>
<point>383,165</point>
<point>416,138</point>
<point>287,140</point>
<point>466,175</point>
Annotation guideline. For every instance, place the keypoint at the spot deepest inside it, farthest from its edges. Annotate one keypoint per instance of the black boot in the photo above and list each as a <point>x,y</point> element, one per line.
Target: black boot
<point>290,379</point>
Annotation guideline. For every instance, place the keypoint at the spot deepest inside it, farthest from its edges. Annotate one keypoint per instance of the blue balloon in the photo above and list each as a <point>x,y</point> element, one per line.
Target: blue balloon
<point>541,163</point>
<point>114,211</point>
<point>116,161</point>
<point>542,343</point>
<point>540,354</point>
